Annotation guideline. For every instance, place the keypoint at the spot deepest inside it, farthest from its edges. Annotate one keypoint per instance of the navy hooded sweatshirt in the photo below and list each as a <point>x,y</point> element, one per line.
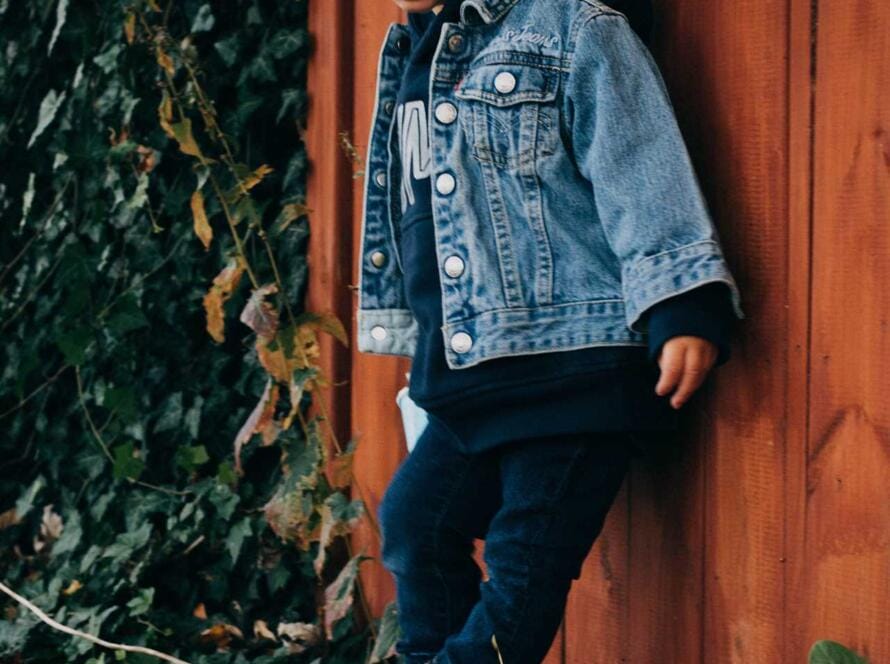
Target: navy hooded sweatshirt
<point>600,388</point>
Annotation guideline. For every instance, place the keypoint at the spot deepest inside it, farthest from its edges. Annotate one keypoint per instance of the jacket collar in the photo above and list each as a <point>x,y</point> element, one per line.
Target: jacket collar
<point>489,10</point>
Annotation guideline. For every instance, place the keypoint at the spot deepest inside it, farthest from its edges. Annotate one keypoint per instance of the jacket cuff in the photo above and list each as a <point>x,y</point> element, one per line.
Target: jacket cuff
<point>670,273</point>
<point>705,311</point>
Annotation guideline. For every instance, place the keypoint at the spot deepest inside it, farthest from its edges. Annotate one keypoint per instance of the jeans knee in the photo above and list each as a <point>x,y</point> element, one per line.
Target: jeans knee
<point>399,537</point>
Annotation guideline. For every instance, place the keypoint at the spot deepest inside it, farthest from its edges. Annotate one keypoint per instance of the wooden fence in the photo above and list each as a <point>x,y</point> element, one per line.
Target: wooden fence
<point>770,527</point>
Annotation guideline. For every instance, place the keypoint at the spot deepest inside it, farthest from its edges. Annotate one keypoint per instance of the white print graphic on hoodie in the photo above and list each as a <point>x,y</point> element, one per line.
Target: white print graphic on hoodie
<point>414,147</point>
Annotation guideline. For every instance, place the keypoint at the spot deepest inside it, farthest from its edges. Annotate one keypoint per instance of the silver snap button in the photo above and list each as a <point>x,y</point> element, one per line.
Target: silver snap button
<point>455,43</point>
<point>454,266</point>
<point>461,342</point>
<point>378,258</point>
<point>380,179</point>
<point>378,332</point>
<point>388,107</point>
<point>505,82</point>
<point>446,112</point>
<point>445,183</point>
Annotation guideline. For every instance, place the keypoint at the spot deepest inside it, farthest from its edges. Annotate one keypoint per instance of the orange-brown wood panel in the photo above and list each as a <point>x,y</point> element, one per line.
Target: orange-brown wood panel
<point>726,64</point>
<point>705,526</point>
<point>848,474</point>
<point>375,380</point>
<point>329,195</point>
<point>766,525</point>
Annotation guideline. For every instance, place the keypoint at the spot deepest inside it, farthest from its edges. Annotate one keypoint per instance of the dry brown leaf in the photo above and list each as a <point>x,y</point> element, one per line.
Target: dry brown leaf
<point>256,177</point>
<point>164,60</point>
<point>130,27</point>
<point>200,611</point>
<point>223,286</point>
<point>73,587</point>
<point>261,631</point>
<point>9,518</point>
<point>221,635</point>
<point>261,420</point>
<point>299,636</point>
<point>50,528</point>
<point>165,115</point>
<point>202,225</point>
<point>259,315</point>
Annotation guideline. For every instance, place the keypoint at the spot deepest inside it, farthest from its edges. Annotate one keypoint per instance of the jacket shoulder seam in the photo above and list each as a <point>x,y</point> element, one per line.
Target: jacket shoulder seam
<point>590,11</point>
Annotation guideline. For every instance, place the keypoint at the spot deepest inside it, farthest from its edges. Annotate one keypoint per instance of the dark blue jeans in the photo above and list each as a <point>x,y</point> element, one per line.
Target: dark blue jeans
<point>539,504</point>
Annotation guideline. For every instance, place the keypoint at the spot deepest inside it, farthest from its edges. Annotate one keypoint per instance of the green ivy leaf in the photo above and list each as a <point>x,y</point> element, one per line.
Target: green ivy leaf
<point>127,463</point>
<point>126,316</point>
<point>832,652</point>
<point>74,344</point>
<point>204,20</point>
<point>189,458</point>
<point>236,537</point>
<point>141,604</point>
<point>48,109</point>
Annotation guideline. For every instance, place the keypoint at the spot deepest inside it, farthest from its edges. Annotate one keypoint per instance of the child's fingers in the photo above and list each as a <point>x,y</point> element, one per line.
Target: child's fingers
<point>694,371</point>
<point>671,364</point>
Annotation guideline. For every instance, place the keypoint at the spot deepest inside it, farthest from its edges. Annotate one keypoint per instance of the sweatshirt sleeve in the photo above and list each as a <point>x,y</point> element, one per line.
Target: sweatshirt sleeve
<point>705,311</point>
<point>627,144</point>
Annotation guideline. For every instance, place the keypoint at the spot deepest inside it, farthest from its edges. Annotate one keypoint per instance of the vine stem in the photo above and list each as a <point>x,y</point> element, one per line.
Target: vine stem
<point>83,635</point>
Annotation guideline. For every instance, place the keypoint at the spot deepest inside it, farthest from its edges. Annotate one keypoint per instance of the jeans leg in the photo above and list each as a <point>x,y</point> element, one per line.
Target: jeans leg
<point>556,493</point>
<point>437,502</point>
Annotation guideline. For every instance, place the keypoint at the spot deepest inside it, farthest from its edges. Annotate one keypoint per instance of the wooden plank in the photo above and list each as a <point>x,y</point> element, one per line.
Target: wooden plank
<point>329,195</point>
<point>735,112</point>
<point>376,421</point>
<point>706,530</point>
<point>800,191</point>
<point>848,477</point>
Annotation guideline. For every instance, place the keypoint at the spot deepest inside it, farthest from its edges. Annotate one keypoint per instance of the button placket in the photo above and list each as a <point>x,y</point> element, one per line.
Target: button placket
<point>378,258</point>
<point>446,112</point>
<point>445,183</point>
<point>454,266</point>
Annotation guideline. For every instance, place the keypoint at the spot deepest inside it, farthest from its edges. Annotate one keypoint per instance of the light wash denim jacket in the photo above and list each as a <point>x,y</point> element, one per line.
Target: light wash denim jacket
<point>565,203</point>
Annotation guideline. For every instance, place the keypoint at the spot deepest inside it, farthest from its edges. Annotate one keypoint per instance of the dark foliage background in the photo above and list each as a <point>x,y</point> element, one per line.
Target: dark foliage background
<point>120,513</point>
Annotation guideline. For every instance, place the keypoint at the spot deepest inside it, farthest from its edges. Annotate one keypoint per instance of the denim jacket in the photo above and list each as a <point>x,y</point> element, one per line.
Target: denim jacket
<point>565,203</point>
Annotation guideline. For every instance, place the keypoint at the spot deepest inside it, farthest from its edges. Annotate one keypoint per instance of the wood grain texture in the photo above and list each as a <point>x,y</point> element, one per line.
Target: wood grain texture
<point>766,524</point>
<point>376,421</point>
<point>848,474</point>
<point>329,192</point>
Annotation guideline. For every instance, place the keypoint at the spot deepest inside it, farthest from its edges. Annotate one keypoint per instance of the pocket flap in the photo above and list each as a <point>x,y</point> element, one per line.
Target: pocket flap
<point>508,84</point>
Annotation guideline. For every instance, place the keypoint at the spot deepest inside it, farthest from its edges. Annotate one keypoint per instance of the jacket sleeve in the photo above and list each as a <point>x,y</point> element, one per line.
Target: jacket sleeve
<point>627,143</point>
<point>704,312</point>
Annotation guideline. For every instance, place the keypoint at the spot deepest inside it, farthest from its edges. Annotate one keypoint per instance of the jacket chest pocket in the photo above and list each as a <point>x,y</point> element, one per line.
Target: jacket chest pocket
<point>508,112</point>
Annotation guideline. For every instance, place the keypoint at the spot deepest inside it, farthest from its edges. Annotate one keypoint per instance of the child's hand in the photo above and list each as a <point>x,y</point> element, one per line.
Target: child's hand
<point>685,361</point>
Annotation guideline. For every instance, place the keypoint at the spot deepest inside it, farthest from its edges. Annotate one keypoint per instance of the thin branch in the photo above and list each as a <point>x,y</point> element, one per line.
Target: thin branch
<point>36,391</point>
<point>83,635</point>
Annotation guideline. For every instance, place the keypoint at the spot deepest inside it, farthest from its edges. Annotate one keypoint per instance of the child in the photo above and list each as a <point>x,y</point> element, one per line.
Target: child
<point>535,239</point>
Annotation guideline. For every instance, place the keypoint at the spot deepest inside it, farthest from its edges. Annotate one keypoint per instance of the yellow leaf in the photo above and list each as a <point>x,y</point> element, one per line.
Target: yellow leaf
<point>165,60</point>
<point>202,226</point>
<point>182,132</point>
<point>256,177</point>
<point>73,587</point>
<point>130,27</point>
<point>165,115</point>
<point>223,285</point>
